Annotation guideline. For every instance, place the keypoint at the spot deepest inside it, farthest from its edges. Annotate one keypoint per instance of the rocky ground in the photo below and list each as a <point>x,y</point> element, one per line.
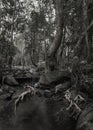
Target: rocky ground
<point>37,101</point>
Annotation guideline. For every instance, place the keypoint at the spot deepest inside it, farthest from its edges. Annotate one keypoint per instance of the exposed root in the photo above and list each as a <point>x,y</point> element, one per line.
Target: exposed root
<point>79,98</point>
<point>30,91</point>
<point>74,101</point>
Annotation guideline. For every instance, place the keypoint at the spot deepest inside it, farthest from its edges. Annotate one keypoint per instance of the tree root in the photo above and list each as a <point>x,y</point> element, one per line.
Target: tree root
<point>74,101</point>
<point>30,91</point>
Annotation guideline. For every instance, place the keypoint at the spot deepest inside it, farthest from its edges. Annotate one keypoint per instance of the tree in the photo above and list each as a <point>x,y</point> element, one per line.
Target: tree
<point>11,23</point>
<point>59,32</point>
<point>59,29</point>
<point>86,36</point>
<point>40,30</point>
<point>90,33</point>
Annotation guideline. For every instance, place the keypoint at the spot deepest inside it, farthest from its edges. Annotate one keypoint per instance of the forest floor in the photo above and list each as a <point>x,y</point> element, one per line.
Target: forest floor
<point>64,103</point>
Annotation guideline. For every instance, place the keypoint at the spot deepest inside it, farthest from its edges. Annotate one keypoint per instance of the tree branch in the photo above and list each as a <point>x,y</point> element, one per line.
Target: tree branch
<point>82,36</point>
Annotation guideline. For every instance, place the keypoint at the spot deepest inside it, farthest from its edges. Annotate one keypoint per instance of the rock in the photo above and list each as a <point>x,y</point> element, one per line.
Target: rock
<point>54,77</point>
<point>22,73</point>
<point>25,76</point>
<point>10,80</point>
<point>5,96</point>
<point>7,88</point>
<point>85,121</point>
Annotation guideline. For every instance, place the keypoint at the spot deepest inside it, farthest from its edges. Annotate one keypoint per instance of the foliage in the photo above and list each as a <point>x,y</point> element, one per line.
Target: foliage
<point>37,22</point>
<point>12,22</point>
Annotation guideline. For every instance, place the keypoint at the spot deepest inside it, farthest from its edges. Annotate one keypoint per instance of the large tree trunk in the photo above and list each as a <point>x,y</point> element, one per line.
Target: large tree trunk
<point>59,32</point>
<point>85,15</point>
<point>90,33</point>
<point>78,45</point>
<point>87,35</point>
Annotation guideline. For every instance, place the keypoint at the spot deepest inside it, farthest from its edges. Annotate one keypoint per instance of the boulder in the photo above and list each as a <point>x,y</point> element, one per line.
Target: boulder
<point>8,89</point>
<point>5,96</point>
<point>55,77</point>
<point>23,73</point>
<point>85,121</point>
<point>10,80</point>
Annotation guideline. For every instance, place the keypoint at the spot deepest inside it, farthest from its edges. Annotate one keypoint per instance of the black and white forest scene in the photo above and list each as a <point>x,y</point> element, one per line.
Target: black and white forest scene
<point>46,64</point>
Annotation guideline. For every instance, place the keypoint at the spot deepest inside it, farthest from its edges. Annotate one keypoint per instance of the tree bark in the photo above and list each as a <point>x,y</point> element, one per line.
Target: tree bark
<point>85,15</point>
<point>59,31</point>
<point>90,33</point>
<point>82,37</point>
<point>33,62</point>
